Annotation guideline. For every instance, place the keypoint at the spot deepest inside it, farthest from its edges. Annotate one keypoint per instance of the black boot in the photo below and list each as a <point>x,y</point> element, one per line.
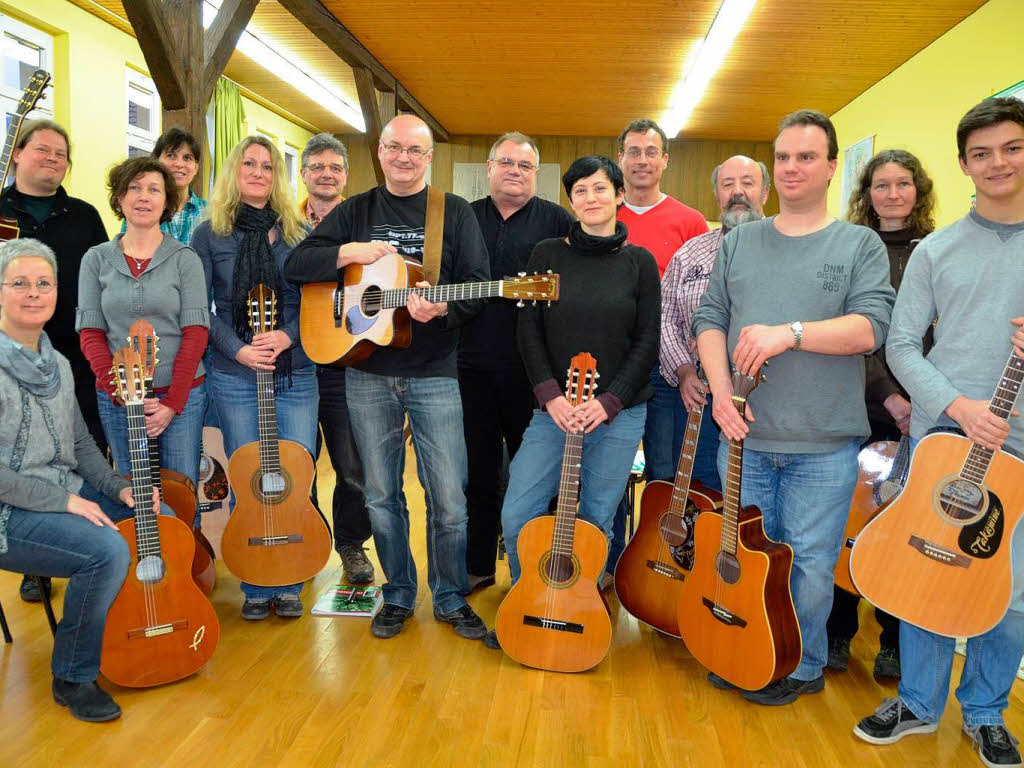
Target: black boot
<point>87,701</point>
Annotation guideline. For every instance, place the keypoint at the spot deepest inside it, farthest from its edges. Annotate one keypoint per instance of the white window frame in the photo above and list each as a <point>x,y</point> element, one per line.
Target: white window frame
<point>140,138</point>
<point>295,153</point>
<point>10,96</point>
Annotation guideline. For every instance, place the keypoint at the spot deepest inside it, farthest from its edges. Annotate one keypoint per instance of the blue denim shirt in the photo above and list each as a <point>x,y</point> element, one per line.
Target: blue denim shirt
<point>218,256</point>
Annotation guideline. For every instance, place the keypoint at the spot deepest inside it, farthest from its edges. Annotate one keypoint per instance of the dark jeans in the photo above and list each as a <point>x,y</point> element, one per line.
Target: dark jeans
<point>85,386</point>
<point>496,406</point>
<point>350,517</point>
<point>94,558</point>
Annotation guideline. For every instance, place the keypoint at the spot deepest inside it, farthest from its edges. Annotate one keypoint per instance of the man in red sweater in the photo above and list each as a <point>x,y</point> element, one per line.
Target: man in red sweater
<point>661,224</point>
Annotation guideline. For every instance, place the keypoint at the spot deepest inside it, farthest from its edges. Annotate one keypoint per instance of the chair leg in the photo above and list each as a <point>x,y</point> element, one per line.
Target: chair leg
<point>44,590</point>
<point>4,627</point>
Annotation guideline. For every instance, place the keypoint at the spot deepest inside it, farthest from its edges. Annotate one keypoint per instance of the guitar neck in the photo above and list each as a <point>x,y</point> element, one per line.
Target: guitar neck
<point>568,494</point>
<point>979,458</point>
<point>147,535</point>
<point>684,471</point>
<point>731,497</point>
<point>5,157</point>
<point>270,455</point>
<point>396,297</point>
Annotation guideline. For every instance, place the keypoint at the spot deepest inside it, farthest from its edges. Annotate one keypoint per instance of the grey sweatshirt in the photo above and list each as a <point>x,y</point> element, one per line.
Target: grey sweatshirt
<point>810,403</point>
<point>170,294</point>
<point>971,275</point>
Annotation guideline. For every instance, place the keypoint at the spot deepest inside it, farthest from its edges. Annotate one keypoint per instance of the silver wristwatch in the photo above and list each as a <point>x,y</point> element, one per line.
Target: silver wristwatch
<point>798,333</point>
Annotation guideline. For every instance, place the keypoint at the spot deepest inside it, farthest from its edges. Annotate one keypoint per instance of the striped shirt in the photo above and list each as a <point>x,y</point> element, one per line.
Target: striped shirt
<point>684,282</point>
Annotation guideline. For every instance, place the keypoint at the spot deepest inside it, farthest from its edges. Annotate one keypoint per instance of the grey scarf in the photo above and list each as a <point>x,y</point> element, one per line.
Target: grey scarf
<point>38,371</point>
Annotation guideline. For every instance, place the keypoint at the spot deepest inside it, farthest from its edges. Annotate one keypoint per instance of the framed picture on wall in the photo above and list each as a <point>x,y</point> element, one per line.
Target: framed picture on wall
<point>855,157</point>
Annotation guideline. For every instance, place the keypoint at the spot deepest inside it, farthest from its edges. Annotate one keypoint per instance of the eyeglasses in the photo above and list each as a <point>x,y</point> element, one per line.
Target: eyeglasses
<point>650,152</point>
<point>415,153</point>
<point>318,167</point>
<point>508,163</point>
<point>21,286</point>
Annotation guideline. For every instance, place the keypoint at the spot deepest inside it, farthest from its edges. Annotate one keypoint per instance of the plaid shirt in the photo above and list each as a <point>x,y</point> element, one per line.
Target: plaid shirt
<point>685,280</point>
<point>184,222</point>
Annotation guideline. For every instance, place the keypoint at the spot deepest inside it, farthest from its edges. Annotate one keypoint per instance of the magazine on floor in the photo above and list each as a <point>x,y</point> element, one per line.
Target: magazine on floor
<point>346,600</point>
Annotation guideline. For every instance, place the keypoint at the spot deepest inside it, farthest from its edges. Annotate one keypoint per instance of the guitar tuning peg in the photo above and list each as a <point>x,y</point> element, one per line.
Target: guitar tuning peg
<point>535,302</point>
<point>550,272</point>
<point>522,274</point>
<point>520,303</point>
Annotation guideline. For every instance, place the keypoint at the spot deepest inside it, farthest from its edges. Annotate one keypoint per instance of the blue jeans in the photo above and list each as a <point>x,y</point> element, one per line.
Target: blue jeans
<point>179,444</point>
<point>535,472</point>
<point>805,499</point>
<point>235,400</point>
<point>926,660</point>
<point>95,559</point>
<point>377,406</point>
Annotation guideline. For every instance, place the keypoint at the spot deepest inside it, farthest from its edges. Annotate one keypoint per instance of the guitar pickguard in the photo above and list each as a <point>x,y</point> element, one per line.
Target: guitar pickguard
<point>983,538</point>
<point>678,535</point>
<point>362,314</point>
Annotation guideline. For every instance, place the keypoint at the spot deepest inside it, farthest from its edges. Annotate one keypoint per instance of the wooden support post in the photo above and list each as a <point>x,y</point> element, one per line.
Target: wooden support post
<point>371,116</point>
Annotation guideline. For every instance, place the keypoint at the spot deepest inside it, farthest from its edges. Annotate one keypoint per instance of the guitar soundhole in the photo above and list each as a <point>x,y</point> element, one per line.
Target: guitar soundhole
<point>370,304</point>
<point>728,567</point>
<point>150,569</point>
<point>961,501</point>
<point>271,487</point>
<point>673,529</point>
<point>559,570</point>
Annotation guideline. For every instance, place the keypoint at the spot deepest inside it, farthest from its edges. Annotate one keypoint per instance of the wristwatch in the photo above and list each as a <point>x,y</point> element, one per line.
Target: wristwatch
<point>798,333</point>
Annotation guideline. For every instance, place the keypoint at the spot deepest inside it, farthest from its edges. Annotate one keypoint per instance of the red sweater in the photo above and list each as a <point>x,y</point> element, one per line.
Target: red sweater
<point>663,228</point>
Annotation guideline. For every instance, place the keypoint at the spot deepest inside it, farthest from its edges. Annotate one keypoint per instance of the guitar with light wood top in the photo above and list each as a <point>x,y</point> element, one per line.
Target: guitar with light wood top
<point>554,617</point>
<point>939,555</point>
<point>736,612</point>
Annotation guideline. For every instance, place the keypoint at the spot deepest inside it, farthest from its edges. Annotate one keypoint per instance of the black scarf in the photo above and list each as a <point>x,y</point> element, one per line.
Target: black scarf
<point>595,245</point>
<point>255,264</point>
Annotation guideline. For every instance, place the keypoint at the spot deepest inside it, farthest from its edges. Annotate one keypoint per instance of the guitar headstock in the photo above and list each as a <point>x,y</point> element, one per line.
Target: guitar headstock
<point>531,288</point>
<point>129,377</point>
<point>262,309</point>
<point>581,380</point>
<point>143,339</point>
<point>33,91</point>
<point>742,385</point>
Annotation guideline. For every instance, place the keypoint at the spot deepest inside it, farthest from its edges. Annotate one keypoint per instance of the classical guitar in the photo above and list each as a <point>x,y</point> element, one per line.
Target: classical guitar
<point>554,617</point>
<point>939,555</point>
<point>342,323</point>
<point>882,472</point>
<point>160,627</point>
<point>33,92</point>
<point>275,536</point>
<point>736,611</point>
<point>652,567</point>
<point>177,490</point>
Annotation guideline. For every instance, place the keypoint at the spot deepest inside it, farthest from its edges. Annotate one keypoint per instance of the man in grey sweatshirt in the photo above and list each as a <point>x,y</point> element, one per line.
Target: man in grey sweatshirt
<point>971,276</point>
<point>813,294</point>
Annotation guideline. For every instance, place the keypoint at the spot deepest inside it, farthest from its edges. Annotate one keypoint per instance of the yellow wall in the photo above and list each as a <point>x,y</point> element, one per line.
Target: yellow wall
<point>90,99</point>
<point>918,106</point>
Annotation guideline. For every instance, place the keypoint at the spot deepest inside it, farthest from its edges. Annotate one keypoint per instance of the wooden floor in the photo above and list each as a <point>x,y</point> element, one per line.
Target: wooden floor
<point>323,692</point>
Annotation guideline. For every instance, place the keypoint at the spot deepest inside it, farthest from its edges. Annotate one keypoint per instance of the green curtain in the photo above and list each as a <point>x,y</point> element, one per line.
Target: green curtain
<point>229,114</point>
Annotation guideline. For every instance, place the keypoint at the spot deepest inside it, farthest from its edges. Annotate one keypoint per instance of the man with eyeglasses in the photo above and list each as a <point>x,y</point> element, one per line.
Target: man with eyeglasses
<point>661,224</point>
<point>418,381</point>
<point>497,399</point>
<point>324,172</point>
<point>43,209</point>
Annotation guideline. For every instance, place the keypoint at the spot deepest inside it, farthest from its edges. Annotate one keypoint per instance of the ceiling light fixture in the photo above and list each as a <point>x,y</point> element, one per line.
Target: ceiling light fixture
<point>704,62</point>
<point>278,61</point>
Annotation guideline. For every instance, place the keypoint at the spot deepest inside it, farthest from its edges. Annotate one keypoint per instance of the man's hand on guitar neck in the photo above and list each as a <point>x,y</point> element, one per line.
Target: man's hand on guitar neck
<point>691,388</point>
<point>423,311</point>
<point>979,423</point>
<point>363,253</point>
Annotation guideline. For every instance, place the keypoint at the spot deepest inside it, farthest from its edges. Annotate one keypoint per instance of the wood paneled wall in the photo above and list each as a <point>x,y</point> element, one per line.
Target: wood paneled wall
<point>687,178</point>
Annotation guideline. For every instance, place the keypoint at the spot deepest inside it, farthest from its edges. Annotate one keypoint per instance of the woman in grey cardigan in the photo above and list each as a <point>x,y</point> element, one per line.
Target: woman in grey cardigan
<point>145,274</point>
<point>58,496</point>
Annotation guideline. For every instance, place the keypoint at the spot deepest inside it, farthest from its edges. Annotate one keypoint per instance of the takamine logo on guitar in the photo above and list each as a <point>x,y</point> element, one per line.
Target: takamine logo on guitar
<point>984,537</point>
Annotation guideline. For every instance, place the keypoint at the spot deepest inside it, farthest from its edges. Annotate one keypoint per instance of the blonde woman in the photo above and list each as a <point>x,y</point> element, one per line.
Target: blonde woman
<point>253,225</point>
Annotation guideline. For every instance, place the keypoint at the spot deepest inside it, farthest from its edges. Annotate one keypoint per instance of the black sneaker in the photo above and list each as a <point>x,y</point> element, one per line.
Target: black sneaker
<point>491,640</point>
<point>785,691</point>
<point>29,589</point>
<point>721,683</point>
<point>356,565</point>
<point>996,747</point>
<point>887,663</point>
<point>467,624</point>
<point>255,610</point>
<point>389,620</point>
<point>87,701</point>
<point>838,654</point>
<point>891,722</point>
<point>287,606</point>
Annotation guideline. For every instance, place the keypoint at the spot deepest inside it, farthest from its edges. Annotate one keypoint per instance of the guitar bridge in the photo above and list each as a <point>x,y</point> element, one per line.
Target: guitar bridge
<point>665,570</point>
<point>339,305</point>
<point>560,626</point>
<point>156,630</point>
<point>275,541</point>
<point>724,615</point>
<point>939,554</point>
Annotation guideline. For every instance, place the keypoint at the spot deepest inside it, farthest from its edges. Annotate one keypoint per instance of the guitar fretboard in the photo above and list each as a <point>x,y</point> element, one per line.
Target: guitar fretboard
<point>684,471</point>
<point>568,494</point>
<point>980,458</point>
<point>147,534</point>
<point>731,496</point>
<point>397,297</point>
<point>270,455</point>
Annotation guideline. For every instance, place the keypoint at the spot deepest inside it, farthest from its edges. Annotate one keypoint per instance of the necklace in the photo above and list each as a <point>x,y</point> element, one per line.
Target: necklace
<point>138,262</point>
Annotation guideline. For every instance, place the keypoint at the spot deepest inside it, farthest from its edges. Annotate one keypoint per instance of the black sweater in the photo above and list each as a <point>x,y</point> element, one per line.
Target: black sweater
<point>609,305</point>
<point>379,215</point>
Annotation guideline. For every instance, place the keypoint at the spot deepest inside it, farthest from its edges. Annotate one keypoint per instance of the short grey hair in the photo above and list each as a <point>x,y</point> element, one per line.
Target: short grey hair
<point>25,247</point>
<point>516,138</point>
<point>766,177</point>
<point>323,142</point>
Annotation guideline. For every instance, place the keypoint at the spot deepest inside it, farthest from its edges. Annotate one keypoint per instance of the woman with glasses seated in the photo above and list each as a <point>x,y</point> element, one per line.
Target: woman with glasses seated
<point>58,496</point>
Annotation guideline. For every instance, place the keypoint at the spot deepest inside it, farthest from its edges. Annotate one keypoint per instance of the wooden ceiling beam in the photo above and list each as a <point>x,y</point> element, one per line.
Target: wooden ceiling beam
<point>220,40</point>
<point>371,116</point>
<point>161,48</point>
<point>321,22</point>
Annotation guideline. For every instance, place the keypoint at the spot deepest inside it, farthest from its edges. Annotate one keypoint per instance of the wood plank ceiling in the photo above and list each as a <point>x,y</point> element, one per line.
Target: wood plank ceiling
<point>585,69</point>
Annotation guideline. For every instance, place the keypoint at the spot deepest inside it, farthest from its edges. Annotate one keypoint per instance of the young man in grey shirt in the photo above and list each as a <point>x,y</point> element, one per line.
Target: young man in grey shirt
<point>812,293</point>
<point>971,276</point>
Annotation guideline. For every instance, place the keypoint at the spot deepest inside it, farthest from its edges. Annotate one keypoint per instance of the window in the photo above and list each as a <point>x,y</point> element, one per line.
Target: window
<point>24,49</point>
<point>291,166</point>
<point>143,113</point>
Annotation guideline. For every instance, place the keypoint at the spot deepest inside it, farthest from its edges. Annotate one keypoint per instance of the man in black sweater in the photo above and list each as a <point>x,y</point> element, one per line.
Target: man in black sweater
<point>497,399</point>
<point>418,381</point>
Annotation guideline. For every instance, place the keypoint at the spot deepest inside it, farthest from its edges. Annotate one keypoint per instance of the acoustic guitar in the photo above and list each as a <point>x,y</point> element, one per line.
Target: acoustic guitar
<point>9,229</point>
<point>939,555</point>
<point>882,472</point>
<point>736,612</point>
<point>342,323</point>
<point>275,536</point>
<point>160,627</point>
<point>176,490</point>
<point>654,564</point>
<point>554,617</point>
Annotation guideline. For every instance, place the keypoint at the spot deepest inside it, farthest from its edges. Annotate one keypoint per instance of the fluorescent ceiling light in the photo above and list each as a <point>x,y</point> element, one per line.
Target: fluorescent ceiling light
<point>704,62</point>
<point>278,61</point>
